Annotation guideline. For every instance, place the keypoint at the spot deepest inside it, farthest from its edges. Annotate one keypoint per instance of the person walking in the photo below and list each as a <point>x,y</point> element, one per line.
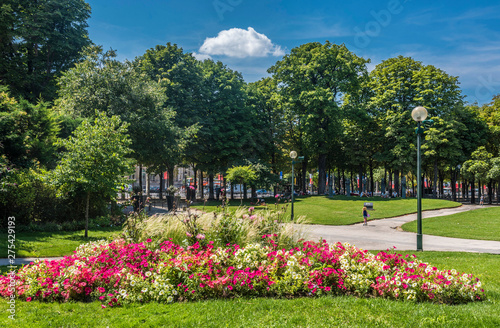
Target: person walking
<point>365,216</point>
<point>481,200</point>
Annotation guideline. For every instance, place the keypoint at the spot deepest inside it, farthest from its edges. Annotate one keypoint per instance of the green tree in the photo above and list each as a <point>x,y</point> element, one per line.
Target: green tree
<point>27,131</point>
<point>102,83</point>
<point>269,126</point>
<point>225,132</point>
<point>490,114</point>
<point>313,79</point>
<point>95,161</point>
<point>38,40</point>
<point>180,76</point>
<point>477,168</point>
<point>242,175</point>
<point>442,146</point>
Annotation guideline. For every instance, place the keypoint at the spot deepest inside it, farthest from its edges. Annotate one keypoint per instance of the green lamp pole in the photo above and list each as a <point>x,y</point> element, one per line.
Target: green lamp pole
<point>419,114</point>
<point>293,156</point>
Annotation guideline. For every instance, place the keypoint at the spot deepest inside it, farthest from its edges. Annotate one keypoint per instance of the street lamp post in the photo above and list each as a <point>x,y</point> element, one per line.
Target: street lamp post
<point>419,114</point>
<point>293,156</point>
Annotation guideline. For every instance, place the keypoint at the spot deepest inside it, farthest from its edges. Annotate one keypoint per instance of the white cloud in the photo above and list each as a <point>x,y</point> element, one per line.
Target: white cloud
<point>240,43</point>
<point>201,57</point>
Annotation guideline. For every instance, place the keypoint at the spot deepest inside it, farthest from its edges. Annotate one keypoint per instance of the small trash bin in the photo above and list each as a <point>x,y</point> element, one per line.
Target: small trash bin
<point>170,202</point>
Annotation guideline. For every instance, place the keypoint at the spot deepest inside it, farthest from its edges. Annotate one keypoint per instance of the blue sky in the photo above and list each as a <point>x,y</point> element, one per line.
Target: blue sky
<point>460,37</point>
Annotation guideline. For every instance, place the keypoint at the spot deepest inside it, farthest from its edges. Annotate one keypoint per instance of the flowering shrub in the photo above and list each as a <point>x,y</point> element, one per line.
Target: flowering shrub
<point>116,273</point>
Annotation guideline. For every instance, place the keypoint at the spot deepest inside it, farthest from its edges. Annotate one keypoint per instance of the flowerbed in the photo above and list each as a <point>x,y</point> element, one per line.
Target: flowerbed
<point>117,273</point>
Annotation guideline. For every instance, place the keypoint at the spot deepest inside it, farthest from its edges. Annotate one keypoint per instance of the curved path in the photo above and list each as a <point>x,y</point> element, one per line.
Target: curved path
<point>379,235</point>
<point>385,233</point>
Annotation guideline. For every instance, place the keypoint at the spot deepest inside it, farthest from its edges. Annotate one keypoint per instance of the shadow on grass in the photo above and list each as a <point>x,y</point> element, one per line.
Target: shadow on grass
<point>26,237</point>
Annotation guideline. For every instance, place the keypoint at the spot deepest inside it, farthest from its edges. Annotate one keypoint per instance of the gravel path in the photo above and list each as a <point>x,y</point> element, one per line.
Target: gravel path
<point>386,233</point>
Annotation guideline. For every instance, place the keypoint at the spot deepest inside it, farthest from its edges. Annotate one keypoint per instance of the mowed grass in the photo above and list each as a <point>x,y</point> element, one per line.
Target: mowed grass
<point>58,243</point>
<point>483,224</point>
<point>342,311</point>
<point>341,210</point>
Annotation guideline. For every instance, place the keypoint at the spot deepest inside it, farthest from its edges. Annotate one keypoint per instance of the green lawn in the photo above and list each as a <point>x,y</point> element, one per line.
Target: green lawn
<point>58,243</point>
<point>300,312</point>
<point>483,223</point>
<point>341,210</point>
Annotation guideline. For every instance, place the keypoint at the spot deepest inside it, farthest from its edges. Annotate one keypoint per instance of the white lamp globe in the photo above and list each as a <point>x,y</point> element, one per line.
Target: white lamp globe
<point>293,154</point>
<point>419,114</point>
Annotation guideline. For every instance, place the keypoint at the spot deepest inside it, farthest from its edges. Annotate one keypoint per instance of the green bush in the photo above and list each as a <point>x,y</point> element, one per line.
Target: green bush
<point>29,196</point>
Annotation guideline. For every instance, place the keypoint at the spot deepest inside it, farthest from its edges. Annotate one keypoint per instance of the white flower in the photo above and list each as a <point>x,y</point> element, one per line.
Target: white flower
<point>132,283</point>
<point>148,274</point>
<point>144,290</point>
<point>170,299</point>
<point>174,292</point>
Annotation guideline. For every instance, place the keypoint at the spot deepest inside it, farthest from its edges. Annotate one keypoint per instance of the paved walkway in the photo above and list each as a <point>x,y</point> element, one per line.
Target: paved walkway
<point>383,234</point>
<point>378,235</point>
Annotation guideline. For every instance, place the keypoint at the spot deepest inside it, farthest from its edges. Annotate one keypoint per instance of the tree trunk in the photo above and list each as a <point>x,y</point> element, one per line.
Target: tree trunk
<point>304,174</point>
<point>147,184</point>
<point>434,187</point>
<point>490,192</point>
<point>211,186</point>
<point>87,216</point>
<point>441,190</point>
<point>321,174</point>
<point>390,183</point>
<point>170,176</point>
<point>232,191</point>
<point>140,177</point>
<point>195,181</point>
<point>201,185</point>
<point>372,190</point>
<point>343,181</point>
<point>244,191</point>
<point>453,174</point>
<point>396,182</point>
<point>498,192</point>
<point>472,191</point>
<point>161,185</point>
<point>360,174</point>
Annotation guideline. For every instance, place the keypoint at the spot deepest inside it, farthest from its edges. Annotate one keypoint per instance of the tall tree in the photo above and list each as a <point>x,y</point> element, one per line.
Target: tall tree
<point>27,131</point>
<point>95,161</point>
<point>225,120</point>
<point>268,120</point>
<point>180,76</point>
<point>313,80</point>
<point>102,83</point>
<point>38,40</point>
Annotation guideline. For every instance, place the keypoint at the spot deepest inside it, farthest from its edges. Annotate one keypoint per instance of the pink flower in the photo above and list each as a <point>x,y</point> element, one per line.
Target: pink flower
<point>103,306</point>
<point>188,234</point>
<point>200,236</point>
<point>149,240</point>
<point>251,209</point>
<point>28,299</point>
